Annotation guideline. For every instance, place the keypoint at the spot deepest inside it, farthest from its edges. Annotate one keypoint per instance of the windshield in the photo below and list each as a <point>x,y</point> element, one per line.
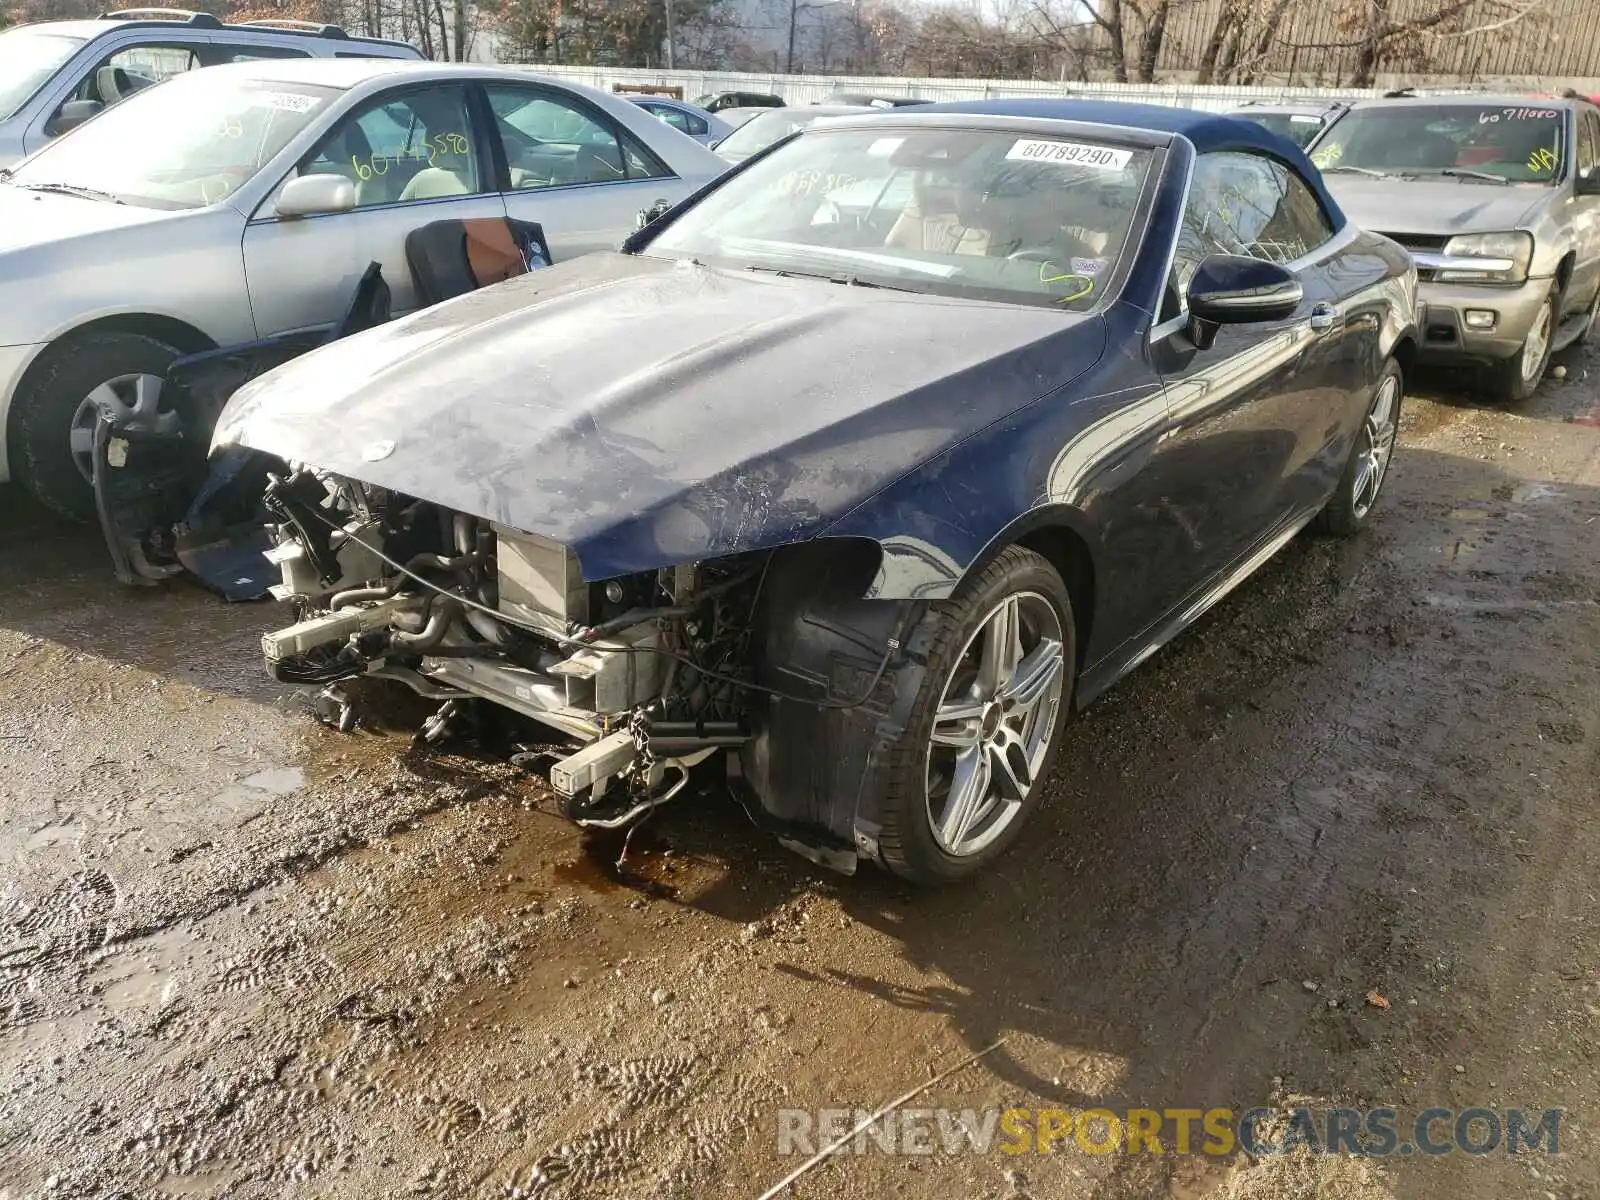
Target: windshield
<point>981,214</point>
<point>186,143</point>
<point>27,59</point>
<point>756,134</point>
<point>1501,142</point>
<point>1299,128</point>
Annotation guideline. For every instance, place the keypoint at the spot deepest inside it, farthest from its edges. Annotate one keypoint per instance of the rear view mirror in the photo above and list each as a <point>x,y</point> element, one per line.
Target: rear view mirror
<point>1232,289</point>
<point>310,195</point>
<point>73,113</point>
<point>648,216</point>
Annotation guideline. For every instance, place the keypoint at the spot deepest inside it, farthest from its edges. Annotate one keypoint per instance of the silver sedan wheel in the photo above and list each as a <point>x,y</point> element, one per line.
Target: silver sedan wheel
<point>135,400</point>
<point>1377,445</point>
<point>992,729</point>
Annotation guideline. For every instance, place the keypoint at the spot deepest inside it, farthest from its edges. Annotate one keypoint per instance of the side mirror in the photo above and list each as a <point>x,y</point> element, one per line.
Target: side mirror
<point>649,216</point>
<point>310,195</point>
<point>1232,289</point>
<point>73,113</point>
<point>1589,182</point>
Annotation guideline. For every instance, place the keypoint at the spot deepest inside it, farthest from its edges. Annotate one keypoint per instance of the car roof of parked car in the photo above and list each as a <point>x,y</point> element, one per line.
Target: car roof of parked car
<point>1208,132</point>
<point>92,28</point>
<point>345,73</point>
<point>1470,99</point>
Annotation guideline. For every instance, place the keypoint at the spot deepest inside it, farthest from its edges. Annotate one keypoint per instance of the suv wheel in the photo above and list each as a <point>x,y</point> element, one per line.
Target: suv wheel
<point>1516,378</point>
<point>51,437</point>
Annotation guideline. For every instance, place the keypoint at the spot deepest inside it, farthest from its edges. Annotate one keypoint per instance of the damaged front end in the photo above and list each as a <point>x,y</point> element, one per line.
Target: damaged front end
<point>641,675</point>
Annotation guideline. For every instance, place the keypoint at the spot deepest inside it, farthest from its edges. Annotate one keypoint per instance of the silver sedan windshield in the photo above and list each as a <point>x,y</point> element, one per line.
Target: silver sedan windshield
<point>187,143</point>
<point>1007,216</point>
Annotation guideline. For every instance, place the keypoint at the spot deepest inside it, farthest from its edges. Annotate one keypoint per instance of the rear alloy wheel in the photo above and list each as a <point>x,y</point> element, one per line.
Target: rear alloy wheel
<point>1369,461</point>
<point>1517,378</point>
<point>984,728</point>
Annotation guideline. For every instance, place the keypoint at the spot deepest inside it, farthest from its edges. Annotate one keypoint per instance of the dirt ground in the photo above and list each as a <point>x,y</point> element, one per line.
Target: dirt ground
<point>244,956</point>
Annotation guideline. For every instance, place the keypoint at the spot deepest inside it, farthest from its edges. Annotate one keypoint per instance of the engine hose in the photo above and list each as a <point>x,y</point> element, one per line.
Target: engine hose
<point>439,622</point>
<point>362,595</point>
<point>437,562</point>
<point>488,628</point>
<point>636,616</point>
<point>463,530</point>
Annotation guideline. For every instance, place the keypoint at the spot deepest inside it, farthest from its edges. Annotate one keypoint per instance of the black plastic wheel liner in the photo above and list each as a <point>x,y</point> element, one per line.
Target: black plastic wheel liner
<point>820,772</point>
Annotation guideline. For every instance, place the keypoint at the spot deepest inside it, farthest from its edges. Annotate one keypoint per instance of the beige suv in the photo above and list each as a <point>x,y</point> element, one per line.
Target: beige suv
<point>1498,200</point>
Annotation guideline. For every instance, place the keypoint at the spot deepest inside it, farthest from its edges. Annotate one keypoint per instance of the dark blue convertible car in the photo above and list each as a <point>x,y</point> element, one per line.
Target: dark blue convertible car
<point>851,476</point>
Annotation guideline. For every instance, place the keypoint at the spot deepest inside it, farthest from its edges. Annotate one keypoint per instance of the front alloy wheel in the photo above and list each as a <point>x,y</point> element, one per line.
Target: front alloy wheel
<point>994,725</point>
<point>994,672</point>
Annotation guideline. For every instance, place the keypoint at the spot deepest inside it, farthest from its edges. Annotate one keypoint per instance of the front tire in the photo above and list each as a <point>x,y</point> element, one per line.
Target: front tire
<point>983,730</point>
<point>1515,379</point>
<point>51,436</point>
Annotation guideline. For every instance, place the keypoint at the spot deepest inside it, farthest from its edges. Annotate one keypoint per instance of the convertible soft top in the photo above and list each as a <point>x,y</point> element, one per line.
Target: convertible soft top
<point>1208,131</point>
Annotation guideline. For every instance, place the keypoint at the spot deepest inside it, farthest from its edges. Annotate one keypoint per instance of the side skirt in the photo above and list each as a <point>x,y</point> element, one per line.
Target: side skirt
<point>1132,653</point>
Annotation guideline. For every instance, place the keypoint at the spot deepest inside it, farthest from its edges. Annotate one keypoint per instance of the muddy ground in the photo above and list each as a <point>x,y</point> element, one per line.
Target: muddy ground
<point>244,956</point>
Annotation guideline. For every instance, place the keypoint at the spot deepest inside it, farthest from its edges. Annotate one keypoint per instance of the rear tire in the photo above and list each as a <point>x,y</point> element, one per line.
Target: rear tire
<point>1010,739</point>
<point>1364,475</point>
<point>43,412</point>
<point>1515,379</point>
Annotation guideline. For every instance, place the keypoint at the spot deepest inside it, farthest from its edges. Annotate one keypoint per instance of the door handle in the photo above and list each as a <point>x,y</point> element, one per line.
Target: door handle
<point>1324,317</point>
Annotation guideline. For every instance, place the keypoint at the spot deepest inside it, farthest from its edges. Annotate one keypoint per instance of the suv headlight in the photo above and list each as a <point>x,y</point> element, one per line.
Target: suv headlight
<point>1506,257</point>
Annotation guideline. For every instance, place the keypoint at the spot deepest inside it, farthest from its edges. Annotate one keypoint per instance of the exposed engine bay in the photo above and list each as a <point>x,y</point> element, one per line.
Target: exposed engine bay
<point>644,675</point>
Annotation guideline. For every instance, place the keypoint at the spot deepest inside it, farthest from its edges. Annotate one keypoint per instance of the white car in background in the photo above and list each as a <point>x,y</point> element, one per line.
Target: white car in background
<point>244,201</point>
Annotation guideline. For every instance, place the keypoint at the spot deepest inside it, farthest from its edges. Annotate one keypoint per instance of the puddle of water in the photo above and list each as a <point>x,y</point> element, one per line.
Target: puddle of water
<point>249,798</point>
<point>144,974</point>
<point>276,781</point>
<point>201,1183</point>
<point>1535,492</point>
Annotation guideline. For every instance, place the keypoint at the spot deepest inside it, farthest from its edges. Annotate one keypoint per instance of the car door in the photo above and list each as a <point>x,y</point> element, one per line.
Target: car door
<point>1244,413</point>
<point>1585,215</point>
<point>573,169</point>
<point>415,155</point>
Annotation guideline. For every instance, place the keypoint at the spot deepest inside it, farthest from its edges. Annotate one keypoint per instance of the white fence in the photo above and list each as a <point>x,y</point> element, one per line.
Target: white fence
<point>804,89</point>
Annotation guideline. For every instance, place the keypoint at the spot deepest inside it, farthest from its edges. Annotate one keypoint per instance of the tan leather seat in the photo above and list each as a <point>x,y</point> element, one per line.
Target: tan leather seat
<point>433,183</point>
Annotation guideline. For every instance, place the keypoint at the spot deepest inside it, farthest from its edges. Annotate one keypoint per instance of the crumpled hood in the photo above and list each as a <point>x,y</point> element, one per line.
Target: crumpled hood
<point>645,412</point>
<point>1440,208</point>
<point>35,218</point>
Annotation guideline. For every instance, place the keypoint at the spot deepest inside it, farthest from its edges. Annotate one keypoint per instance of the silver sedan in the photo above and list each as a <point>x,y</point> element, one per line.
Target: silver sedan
<point>706,128</point>
<point>244,201</point>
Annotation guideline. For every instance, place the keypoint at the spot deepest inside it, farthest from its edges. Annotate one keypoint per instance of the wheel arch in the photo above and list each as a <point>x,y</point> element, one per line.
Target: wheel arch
<point>1564,270</point>
<point>1064,537</point>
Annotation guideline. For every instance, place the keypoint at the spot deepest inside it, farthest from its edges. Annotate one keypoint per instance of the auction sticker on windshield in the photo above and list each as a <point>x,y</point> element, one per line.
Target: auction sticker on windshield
<point>1069,154</point>
<point>288,101</point>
